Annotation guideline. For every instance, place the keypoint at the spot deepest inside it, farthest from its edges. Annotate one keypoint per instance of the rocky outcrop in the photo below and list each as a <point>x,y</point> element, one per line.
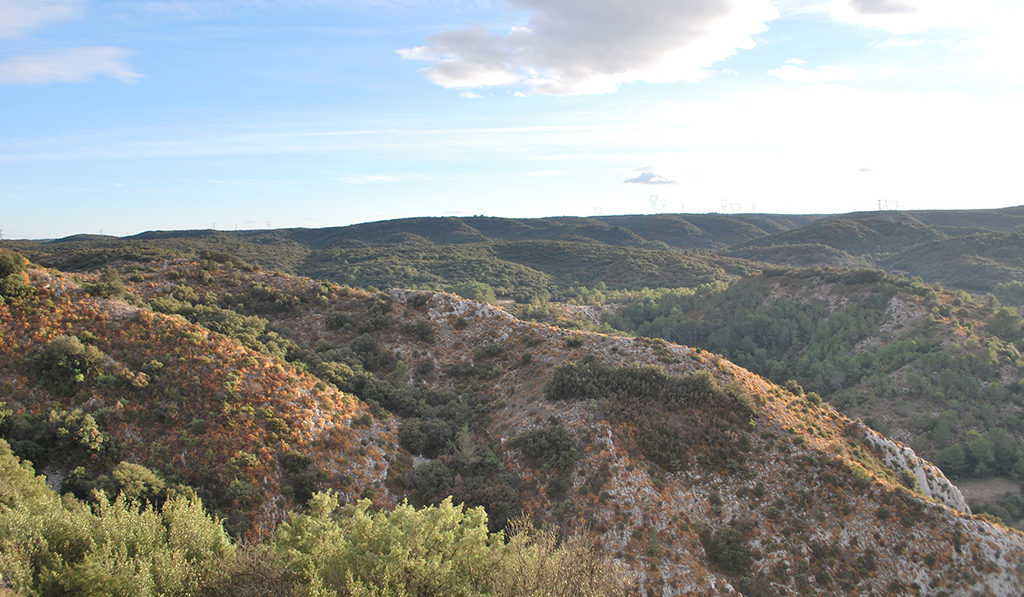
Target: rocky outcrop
<point>930,479</point>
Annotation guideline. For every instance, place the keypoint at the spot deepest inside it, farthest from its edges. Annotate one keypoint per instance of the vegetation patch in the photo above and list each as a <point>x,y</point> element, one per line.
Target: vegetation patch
<point>674,418</point>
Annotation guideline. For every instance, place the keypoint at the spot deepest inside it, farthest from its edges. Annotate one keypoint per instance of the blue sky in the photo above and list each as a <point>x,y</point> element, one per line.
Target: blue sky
<point>120,116</point>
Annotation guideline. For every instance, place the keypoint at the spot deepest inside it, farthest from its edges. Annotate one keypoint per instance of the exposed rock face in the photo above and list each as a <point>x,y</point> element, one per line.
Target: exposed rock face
<point>930,479</point>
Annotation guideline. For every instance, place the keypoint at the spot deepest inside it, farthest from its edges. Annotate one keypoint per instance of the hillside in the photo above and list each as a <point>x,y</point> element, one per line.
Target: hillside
<point>540,258</point>
<point>941,371</point>
<point>697,474</point>
<point>197,407</point>
<point>970,250</point>
<point>524,258</point>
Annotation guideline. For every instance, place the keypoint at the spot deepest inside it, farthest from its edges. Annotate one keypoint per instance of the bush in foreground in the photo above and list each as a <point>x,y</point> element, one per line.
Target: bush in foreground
<point>51,545</point>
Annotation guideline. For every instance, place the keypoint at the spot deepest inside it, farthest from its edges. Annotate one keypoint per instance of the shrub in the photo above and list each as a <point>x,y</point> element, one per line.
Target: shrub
<point>673,415</point>
<point>550,447</point>
<point>244,493</point>
<point>11,262</point>
<point>438,550</point>
<point>14,286</point>
<point>488,351</point>
<point>52,546</point>
<point>728,551</point>
<point>428,437</point>
<point>301,480</point>
<point>420,300</point>
<point>420,329</point>
<point>424,367</point>
<point>909,480</point>
<point>108,285</point>
<point>444,549</point>
<point>55,546</point>
<point>575,381</point>
<point>477,291</point>
<point>66,364</point>
<point>433,478</point>
<point>138,484</point>
<point>793,387</point>
<point>338,320</point>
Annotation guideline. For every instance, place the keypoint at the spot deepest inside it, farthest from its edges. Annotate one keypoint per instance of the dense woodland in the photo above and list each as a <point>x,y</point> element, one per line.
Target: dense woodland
<point>185,337</point>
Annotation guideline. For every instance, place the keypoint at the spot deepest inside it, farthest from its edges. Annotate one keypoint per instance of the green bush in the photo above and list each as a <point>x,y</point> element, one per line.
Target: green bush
<point>428,437</point>
<point>55,546</point>
<point>13,286</point>
<point>138,484</point>
<point>550,447</point>
<point>71,438</point>
<point>442,550</point>
<point>11,262</point>
<point>575,381</point>
<point>421,329</point>
<point>728,551</point>
<point>432,478</point>
<point>50,546</point>
<point>108,284</point>
<point>675,417</point>
<point>338,320</point>
<point>477,291</point>
<point>66,364</point>
<point>909,480</point>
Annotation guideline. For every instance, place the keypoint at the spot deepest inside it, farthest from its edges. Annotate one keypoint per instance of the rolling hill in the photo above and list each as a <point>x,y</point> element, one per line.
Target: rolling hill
<point>257,387</point>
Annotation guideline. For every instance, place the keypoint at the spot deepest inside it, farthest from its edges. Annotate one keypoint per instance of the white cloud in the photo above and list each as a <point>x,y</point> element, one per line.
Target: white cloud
<point>470,95</point>
<point>70,65</point>
<point>795,73</point>
<point>986,32</point>
<point>882,6</point>
<point>200,9</point>
<point>910,16</point>
<point>21,16</point>
<point>567,47</point>
<point>648,177</point>
<point>898,43</point>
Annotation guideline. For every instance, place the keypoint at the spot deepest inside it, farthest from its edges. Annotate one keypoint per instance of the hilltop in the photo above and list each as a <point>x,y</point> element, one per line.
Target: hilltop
<point>541,258</point>
<point>257,387</point>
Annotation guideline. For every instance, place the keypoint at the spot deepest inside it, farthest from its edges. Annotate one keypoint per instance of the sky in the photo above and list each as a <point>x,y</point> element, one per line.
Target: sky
<point>121,116</point>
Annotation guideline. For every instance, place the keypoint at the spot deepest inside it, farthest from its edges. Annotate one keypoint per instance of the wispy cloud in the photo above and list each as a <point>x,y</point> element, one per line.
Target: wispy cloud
<point>882,6</point>
<point>18,17</point>
<point>562,49</point>
<point>69,65</point>
<point>909,16</point>
<point>369,179</point>
<point>798,71</point>
<point>899,43</point>
<point>822,74</point>
<point>648,177</point>
<point>198,9</point>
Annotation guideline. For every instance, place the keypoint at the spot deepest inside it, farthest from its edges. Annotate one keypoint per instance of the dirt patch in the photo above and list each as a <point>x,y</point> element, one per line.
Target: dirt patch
<point>987,489</point>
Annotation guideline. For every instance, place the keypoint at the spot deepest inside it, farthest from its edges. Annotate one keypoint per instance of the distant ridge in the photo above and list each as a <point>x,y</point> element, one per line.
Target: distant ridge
<point>619,251</point>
